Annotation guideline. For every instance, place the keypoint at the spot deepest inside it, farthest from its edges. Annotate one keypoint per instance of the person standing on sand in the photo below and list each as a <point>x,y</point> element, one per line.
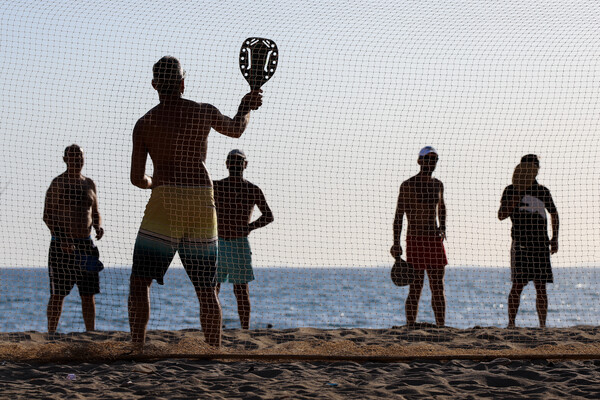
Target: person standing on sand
<point>421,198</point>
<point>526,202</point>
<point>235,199</point>
<point>180,215</point>
<point>70,212</point>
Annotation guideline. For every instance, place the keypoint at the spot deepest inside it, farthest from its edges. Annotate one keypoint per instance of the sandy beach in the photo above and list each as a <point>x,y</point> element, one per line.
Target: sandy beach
<point>274,364</point>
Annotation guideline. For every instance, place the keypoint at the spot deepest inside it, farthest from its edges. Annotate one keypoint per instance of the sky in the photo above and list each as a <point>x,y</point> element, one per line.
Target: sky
<point>360,88</point>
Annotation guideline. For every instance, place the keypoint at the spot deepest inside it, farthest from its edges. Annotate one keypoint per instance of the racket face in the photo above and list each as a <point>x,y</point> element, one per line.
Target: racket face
<point>258,61</point>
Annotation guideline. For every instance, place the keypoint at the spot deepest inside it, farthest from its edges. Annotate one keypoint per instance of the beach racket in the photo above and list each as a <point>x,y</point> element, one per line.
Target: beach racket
<point>258,61</point>
<point>524,176</point>
<point>403,273</point>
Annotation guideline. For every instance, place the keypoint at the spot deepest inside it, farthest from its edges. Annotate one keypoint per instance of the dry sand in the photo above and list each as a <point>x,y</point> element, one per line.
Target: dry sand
<point>472,363</point>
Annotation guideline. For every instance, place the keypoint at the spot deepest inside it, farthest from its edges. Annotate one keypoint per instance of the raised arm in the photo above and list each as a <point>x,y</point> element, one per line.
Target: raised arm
<point>234,127</point>
<point>96,217</point>
<point>442,212</point>
<point>139,156</point>
<point>266,214</point>
<point>396,249</point>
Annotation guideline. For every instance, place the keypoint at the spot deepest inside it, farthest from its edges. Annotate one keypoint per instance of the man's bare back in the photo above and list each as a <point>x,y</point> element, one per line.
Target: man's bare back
<point>175,135</point>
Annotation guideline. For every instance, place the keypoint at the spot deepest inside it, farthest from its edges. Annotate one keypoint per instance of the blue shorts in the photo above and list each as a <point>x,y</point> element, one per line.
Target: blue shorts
<point>235,261</point>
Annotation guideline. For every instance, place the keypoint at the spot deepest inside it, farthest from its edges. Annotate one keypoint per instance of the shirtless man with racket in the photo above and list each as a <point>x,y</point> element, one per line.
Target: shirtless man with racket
<point>421,198</point>
<point>180,215</point>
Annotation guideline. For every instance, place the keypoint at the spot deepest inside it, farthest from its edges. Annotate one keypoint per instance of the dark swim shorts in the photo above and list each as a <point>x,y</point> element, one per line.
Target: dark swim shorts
<point>67,269</point>
<point>530,264</point>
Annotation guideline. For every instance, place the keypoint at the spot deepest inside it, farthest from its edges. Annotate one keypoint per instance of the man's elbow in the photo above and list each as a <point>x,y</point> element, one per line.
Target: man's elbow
<point>138,182</point>
<point>234,133</point>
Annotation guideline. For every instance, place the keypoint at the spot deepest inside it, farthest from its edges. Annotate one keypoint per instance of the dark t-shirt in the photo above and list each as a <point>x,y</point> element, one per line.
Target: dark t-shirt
<point>529,218</point>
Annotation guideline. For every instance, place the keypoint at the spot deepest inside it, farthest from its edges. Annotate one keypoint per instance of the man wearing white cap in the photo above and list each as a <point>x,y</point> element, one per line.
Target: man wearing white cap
<point>235,199</point>
<point>421,198</point>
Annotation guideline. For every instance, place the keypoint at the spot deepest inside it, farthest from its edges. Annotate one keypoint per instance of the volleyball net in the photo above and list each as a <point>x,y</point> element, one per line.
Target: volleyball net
<point>360,89</point>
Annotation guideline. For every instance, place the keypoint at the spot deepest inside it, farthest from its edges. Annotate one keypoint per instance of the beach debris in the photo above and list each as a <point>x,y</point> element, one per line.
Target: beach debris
<point>333,384</point>
<point>144,368</point>
<point>72,377</point>
<point>269,326</point>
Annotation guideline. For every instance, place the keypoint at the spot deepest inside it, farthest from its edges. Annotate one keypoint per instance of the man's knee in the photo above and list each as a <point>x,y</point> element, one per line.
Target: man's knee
<point>540,288</point>
<point>206,293</point>
<point>517,288</point>
<point>241,289</point>
<point>87,299</point>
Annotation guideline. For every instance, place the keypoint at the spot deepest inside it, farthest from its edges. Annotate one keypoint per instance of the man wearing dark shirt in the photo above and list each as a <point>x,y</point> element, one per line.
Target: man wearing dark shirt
<point>526,205</point>
<point>235,199</point>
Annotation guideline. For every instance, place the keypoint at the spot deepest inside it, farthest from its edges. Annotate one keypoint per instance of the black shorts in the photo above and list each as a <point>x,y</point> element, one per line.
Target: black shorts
<point>530,264</point>
<point>65,270</point>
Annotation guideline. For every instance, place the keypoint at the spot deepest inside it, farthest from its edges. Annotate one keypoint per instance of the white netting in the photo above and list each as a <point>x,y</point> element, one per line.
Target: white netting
<point>360,88</point>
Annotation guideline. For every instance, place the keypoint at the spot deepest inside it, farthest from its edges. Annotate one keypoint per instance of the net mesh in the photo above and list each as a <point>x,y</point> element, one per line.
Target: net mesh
<point>359,90</point>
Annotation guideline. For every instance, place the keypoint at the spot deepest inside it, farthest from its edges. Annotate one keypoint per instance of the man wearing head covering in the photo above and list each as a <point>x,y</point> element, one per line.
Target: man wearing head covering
<point>421,198</point>
<point>526,203</point>
<point>180,215</point>
<point>70,212</point>
<point>235,198</point>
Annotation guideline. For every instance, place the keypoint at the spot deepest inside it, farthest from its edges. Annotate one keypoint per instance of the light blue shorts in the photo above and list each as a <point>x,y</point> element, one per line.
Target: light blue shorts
<point>235,261</point>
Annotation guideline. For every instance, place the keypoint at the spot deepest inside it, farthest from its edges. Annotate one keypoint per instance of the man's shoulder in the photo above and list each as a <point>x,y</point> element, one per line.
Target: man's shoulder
<point>90,182</point>
<point>541,188</point>
<point>58,180</point>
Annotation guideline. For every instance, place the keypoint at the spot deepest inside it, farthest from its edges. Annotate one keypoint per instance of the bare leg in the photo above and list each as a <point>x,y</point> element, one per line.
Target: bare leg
<point>514,301</point>
<point>438,297</point>
<point>210,315</point>
<point>242,295</point>
<point>414,295</point>
<point>55,306</point>
<point>139,308</point>
<point>541,302</point>
<point>88,309</point>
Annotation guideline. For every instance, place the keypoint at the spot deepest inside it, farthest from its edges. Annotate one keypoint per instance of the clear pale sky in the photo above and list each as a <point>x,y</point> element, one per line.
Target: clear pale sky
<point>360,88</point>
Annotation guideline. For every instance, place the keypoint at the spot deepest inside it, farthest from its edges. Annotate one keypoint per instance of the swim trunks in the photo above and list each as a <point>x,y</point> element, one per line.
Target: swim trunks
<point>425,252</point>
<point>178,219</point>
<point>235,261</point>
<point>529,263</point>
<point>66,269</point>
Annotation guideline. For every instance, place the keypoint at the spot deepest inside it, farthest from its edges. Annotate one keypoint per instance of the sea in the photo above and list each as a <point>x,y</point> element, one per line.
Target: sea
<point>325,298</point>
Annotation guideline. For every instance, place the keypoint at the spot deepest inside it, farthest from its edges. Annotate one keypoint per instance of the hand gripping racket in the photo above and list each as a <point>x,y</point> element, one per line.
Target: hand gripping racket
<point>258,61</point>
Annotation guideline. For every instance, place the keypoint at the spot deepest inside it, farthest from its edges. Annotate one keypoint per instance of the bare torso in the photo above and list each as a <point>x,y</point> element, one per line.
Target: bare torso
<point>235,200</point>
<point>69,205</point>
<point>421,196</point>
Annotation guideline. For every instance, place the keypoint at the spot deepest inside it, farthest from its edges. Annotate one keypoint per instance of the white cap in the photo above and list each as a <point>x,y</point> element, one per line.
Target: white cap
<point>427,150</point>
<point>236,153</point>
